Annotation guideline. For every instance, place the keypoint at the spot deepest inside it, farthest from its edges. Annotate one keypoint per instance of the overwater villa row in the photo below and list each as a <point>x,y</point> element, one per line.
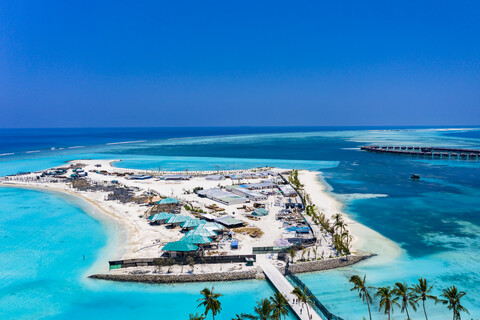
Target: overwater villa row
<point>428,152</point>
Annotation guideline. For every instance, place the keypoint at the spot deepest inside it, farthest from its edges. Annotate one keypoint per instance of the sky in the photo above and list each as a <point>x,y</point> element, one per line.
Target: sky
<point>239,63</point>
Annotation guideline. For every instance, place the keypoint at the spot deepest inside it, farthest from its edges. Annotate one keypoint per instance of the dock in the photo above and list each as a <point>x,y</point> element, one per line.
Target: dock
<point>427,152</point>
<point>285,287</point>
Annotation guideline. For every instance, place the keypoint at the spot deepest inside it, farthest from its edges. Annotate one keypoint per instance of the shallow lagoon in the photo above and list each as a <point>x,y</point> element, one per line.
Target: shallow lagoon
<point>435,220</point>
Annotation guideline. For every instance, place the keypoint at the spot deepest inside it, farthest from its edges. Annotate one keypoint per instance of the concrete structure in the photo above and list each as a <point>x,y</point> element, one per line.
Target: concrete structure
<point>139,177</point>
<point>222,196</point>
<point>285,287</point>
<point>250,195</point>
<point>176,177</point>
<point>259,186</point>
<point>215,177</point>
<point>287,190</point>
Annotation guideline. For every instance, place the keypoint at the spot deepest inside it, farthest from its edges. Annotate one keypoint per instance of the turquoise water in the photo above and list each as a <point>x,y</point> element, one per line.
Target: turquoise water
<point>436,221</point>
<point>49,243</point>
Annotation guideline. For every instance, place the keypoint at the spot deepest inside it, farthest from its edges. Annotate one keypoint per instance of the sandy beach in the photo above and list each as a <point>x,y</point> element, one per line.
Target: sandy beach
<point>131,236</point>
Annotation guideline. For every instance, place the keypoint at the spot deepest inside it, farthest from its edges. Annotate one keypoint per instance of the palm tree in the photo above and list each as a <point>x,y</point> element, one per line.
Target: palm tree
<point>402,291</point>
<point>452,299</point>
<point>264,309</point>
<point>387,301</point>
<point>303,297</point>
<point>422,292</point>
<point>280,307</point>
<point>210,302</point>
<point>360,286</point>
<point>244,316</point>
<point>196,316</point>
<point>292,254</point>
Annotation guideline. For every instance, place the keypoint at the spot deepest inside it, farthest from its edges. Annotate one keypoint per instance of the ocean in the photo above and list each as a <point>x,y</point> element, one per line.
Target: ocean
<point>49,242</point>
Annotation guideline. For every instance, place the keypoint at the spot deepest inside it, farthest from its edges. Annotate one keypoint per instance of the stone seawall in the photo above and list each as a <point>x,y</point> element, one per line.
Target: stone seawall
<point>255,273</point>
<point>320,265</point>
<point>177,278</point>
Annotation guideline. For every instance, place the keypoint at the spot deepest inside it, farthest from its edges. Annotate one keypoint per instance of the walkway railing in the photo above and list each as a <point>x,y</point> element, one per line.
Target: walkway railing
<point>316,303</point>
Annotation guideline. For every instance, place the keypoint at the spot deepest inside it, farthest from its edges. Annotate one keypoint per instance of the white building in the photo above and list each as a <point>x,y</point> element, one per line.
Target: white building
<point>222,196</point>
<point>249,194</point>
<point>287,190</point>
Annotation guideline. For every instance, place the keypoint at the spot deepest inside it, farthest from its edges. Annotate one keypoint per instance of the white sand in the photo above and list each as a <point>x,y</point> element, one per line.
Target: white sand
<point>365,239</point>
<point>131,236</point>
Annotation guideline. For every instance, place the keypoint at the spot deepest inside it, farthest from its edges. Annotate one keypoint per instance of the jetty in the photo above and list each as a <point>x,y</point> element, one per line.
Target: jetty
<point>316,311</point>
<point>427,152</point>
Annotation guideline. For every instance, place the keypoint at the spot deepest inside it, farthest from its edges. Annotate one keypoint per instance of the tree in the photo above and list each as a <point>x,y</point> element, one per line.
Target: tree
<point>264,309</point>
<point>191,262</point>
<point>244,316</point>
<point>359,285</point>
<point>196,316</point>
<point>303,297</point>
<point>452,300</point>
<point>387,301</point>
<point>422,292</point>
<point>402,291</point>
<point>292,254</point>
<point>280,306</point>
<point>210,301</point>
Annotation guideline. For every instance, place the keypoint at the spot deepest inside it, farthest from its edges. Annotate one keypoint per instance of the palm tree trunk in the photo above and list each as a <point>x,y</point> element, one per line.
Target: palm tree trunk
<point>308,313</point>
<point>369,312</point>
<point>424,311</point>
<point>406,309</point>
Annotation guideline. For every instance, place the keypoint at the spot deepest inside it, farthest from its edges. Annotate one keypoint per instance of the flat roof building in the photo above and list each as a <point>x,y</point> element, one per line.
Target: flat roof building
<point>287,190</point>
<point>222,196</point>
<point>249,194</point>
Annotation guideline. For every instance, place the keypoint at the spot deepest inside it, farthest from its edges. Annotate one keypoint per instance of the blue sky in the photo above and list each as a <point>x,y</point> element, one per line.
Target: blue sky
<point>223,63</point>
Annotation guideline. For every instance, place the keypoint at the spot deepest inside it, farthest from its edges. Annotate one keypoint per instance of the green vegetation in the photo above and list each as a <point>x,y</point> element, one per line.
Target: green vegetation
<point>193,209</point>
<point>303,297</point>
<point>405,297</point>
<point>210,302</point>
<point>293,178</point>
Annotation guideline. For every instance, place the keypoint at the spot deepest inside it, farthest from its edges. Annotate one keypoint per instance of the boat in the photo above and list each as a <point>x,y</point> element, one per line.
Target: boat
<point>415,177</point>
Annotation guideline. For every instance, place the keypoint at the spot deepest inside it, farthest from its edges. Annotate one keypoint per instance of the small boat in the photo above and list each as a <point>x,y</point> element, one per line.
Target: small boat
<point>415,177</point>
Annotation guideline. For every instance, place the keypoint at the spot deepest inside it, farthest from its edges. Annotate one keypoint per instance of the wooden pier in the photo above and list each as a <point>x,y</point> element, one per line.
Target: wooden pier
<point>427,152</point>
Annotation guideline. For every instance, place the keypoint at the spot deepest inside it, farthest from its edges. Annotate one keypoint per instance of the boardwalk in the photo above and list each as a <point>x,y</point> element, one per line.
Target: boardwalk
<point>284,286</point>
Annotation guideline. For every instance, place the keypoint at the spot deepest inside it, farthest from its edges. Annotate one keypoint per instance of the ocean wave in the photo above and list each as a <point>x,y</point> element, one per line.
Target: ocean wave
<point>76,147</point>
<point>33,151</point>
<point>6,154</point>
<point>124,142</point>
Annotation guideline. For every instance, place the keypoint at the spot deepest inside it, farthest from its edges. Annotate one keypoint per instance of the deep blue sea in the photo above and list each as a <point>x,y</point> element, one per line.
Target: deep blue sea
<point>45,236</point>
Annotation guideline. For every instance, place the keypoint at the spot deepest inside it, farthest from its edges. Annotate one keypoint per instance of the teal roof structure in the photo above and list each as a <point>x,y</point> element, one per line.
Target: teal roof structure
<point>196,239</point>
<point>192,223</point>
<point>168,201</point>
<point>260,212</point>
<point>161,216</point>
<point>180,246</point>
<point>178,219</point>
